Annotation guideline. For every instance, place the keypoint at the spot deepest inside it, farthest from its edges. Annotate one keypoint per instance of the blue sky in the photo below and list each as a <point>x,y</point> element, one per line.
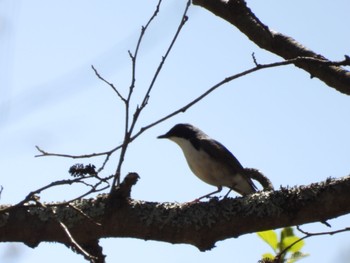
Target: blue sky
<point>293,128</point>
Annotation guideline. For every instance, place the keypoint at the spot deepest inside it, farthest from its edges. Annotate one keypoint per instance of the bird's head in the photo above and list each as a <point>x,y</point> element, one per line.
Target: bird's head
<point>182,130</point>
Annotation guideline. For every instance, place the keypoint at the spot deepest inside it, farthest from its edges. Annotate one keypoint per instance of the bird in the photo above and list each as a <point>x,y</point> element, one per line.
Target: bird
<point>210,161</point>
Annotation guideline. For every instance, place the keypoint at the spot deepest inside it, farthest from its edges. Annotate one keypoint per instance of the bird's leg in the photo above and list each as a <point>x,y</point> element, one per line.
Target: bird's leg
<point>207,195</point>
<point>226,195</point>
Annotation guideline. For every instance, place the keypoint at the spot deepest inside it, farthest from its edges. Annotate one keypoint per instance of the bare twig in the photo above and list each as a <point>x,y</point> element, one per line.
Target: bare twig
<point>93,189</point>
<point>84,215</point>
<point>104,162</point>
<point>83,156</point>
<point>254,59</point>
<point>134,56</point>
<point>71,239</point>
<point>182,23</point>
<point>307,235</point>
<point>108,83</point>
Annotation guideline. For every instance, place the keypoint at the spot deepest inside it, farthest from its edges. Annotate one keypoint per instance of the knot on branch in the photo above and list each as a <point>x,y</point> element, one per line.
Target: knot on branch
<point>123,191</point>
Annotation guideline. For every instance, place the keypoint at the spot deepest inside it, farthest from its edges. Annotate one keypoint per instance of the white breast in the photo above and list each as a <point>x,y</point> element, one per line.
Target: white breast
<point>204,167</point>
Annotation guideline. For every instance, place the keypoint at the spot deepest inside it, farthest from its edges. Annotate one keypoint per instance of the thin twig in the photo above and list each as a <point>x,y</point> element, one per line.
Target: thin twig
<point>75,244</point>
<point>182,23</point>
<point>108,83</point>
<point>93,189</point>
<point>84,215</point>
<point>104,162</point>
<point>83,156</point>
<point>254,59</point>
<point>71,239</point>
<point>134,56</point>
<point>307,235</point>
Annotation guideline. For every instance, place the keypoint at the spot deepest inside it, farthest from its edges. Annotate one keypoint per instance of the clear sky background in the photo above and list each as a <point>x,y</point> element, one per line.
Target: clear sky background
<point>293,128</point>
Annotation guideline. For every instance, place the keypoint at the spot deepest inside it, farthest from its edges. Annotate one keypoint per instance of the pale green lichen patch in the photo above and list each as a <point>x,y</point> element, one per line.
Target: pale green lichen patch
<point>40,212</point>
<point>66,213</point>
<point>208,214</point>
<point>195,215</point>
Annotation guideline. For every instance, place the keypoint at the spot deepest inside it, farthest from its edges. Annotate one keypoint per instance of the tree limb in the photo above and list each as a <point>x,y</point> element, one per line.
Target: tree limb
<point>199,224</point>
<point>239,14</point>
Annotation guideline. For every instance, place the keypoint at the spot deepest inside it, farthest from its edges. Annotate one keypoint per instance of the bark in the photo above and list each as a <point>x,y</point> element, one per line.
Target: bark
<point>238,14</point>
<point>199,224</point>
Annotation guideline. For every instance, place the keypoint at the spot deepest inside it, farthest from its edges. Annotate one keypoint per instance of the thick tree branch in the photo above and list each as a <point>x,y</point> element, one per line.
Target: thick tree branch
<point>200,224</point>
<point>238,14</point>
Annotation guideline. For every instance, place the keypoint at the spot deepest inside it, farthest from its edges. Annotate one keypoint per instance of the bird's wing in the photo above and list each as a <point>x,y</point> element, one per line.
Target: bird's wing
<point>220,153</point>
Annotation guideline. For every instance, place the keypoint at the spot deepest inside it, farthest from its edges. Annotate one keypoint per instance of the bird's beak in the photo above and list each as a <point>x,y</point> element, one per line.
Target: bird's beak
<point>162,136</point>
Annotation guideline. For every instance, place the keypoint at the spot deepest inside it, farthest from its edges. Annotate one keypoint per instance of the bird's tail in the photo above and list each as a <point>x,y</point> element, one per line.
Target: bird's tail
<point>258,176</point>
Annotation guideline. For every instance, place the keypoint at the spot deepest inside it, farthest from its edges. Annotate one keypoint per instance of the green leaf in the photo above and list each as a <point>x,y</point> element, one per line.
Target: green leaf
<point>287,232</point>
<point>268,256</point>
<point>297,256</point>
<point>270,237</point>
<point>287,241</point>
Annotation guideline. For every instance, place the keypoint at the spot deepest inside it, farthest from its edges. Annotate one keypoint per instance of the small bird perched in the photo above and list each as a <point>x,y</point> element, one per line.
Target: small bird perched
<point>210,161</point>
